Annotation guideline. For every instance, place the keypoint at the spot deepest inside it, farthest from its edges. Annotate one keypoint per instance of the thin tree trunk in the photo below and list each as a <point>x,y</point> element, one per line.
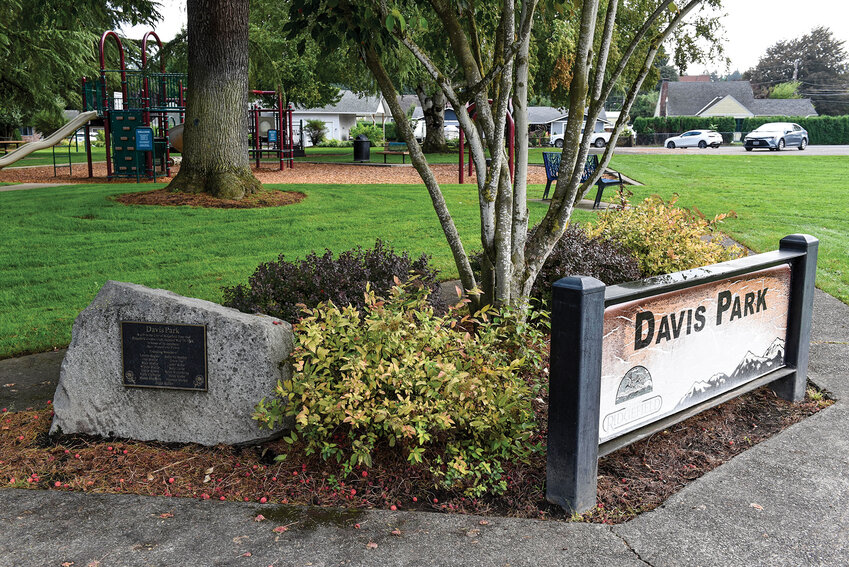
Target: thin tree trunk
<point>215,138</point>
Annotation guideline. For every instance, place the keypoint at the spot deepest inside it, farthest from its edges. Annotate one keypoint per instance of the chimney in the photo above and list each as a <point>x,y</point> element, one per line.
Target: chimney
<point>661,100</point>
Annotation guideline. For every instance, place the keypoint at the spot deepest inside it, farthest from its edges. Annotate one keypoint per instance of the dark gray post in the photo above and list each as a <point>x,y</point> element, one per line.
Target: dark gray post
<point>796,350</point>
<point>577,325</point>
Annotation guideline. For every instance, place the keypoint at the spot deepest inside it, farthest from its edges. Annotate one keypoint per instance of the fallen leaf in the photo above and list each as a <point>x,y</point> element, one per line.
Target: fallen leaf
<point>246,554</point>
<point>239,539</point>
<point>371,545</point>
<point>280,529</point>
<point>396,532</point>
<point>67,564</point>
<point>166,515</point>
<point>757,506</point>
<point>206,479</point>
<point>483,523</point>
<point>209,470</point>
<point>473,532</point>
<point>259,518</point>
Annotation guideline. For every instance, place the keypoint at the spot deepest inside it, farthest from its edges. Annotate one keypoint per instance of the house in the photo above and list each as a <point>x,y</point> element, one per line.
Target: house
<point>339,118</point>
<point>724,98</point>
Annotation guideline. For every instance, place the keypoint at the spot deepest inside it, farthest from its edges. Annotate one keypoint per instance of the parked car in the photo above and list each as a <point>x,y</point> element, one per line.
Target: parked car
<point>695,138</point>
<point>598,139</point>
<point>776,136</point>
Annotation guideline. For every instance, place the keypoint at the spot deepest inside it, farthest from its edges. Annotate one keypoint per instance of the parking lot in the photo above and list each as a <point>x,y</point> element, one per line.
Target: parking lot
<point>738,150</point>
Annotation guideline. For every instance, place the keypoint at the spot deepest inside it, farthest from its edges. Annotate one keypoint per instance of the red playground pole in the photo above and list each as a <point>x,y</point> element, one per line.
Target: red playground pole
<point>280,145</point>
<point>87,130</point>
<point>462,152</point>
<point>256,135</point>
<point>291,144</point>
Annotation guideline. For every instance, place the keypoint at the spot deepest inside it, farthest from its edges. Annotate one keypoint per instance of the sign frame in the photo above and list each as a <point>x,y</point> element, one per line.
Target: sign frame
<point>577,323</point>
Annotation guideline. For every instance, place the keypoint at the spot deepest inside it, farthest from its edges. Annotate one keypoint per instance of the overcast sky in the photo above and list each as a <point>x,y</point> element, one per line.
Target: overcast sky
<point>750,26</point>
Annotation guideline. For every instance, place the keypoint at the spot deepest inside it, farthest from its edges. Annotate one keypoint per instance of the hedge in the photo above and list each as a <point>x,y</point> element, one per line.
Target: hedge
<point>676,124</point>
<point>822,129</point>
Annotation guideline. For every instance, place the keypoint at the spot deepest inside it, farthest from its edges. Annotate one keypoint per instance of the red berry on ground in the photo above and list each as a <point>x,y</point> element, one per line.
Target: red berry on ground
<point>365,474</point>
<point>415,499</point>
<point>435,500</point>
<point>222,498</point>
<point>57,484</point>
<point>393,507</point>
<point>263,500</point>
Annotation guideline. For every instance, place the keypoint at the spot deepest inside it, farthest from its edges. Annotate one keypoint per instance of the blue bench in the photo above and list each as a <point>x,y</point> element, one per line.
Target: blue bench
<point>552,169</point>
<point>395,149</point>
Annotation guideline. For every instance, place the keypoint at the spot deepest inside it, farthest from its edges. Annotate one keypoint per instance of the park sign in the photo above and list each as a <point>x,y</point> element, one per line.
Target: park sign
<point>633,359</point>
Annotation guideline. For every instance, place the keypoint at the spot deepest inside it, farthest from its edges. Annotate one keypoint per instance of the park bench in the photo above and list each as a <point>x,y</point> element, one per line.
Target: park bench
<point>395,149</point>
<point>552,169</point>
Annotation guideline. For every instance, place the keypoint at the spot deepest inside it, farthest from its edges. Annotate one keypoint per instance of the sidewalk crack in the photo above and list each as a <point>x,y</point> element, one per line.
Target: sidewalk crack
<point>630,548</point>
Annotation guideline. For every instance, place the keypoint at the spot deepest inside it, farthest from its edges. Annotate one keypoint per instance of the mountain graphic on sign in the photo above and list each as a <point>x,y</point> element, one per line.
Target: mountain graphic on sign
<point>750,367</point>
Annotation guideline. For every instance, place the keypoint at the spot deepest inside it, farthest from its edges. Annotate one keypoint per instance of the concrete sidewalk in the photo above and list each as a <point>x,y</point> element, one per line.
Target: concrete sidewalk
<point>783,502</point>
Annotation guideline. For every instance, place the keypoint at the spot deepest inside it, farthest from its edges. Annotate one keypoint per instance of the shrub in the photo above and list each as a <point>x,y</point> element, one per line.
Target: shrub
<point>664,238</point>
<point>333,143</point>
<point>277,288</point>
<point>575,254</point>
<point>374,132</point>
<point>397,376</point>
<point>316,130</point>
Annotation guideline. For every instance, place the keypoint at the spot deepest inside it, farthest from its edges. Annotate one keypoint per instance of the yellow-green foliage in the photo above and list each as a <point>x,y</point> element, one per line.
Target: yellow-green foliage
<point>663,237</point>
<point>398,376</point>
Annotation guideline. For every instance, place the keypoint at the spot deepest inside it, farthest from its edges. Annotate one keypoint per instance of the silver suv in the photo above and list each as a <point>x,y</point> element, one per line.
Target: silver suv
<point>775,136</point>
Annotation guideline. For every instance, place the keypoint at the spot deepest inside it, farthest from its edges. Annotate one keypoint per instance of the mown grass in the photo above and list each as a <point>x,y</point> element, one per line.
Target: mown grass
<point>62,244</point>
<point>772,196</point>
<point>346,155</point>
<point>45,157</point>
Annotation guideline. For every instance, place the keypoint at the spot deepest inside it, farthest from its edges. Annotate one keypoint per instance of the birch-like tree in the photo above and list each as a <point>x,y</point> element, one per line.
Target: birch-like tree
<point>489,43</point>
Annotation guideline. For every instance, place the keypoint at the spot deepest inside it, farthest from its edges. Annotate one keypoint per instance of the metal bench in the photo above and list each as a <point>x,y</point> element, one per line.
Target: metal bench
<point>552,169</point>
<point>394,149</point>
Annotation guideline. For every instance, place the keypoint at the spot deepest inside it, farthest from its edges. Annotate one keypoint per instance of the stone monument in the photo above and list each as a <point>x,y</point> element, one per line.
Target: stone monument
<point>149,364</point>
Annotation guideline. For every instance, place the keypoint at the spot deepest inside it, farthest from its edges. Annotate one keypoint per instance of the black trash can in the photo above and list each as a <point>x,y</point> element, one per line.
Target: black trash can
<point>362,148</point>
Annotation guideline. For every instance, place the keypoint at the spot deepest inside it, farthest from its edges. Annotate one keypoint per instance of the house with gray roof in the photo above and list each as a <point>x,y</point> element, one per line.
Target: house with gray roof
<point>339,118</point>
<point>724,98</point>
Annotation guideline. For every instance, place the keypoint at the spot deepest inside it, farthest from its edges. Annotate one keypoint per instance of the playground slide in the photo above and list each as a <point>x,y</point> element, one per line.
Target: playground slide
<point>53,139</point>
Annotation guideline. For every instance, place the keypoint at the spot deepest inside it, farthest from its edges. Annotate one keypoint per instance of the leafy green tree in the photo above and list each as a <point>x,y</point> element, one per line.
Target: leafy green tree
<point>790,89</point>
<point>46,46</point>
<point>488,64</point>
<point>316,131</point>
<point>817,60</point>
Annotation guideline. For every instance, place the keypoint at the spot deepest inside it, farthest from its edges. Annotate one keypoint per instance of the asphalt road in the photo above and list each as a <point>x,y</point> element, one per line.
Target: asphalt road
<point>738,151</point>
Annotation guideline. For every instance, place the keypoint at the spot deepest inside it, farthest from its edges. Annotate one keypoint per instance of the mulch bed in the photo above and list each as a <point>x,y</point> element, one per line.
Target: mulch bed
<point>632,480</point>
<point>169,199</point>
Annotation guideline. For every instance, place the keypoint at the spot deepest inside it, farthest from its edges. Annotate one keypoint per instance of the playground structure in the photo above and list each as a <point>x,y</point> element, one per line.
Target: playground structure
<point>143,118</point>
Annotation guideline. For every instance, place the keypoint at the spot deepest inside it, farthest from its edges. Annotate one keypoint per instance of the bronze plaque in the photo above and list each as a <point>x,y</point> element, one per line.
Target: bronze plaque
<point>164,355</point>
<point>665,353</point>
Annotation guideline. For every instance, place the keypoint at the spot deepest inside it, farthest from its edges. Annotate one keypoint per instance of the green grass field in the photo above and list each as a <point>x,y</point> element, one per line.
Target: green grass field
<point>61,244</point>
<point>346,155</point>
<point>45,157</point>
<point>772,198</point>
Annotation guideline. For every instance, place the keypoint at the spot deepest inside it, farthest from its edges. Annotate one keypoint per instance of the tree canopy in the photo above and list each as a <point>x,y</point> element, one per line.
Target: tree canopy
<point>47,45</point>
<point>817,60</point>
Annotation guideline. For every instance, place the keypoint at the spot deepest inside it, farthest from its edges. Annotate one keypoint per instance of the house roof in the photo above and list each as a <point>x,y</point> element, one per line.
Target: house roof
<point>687,99</point>
<point>694,78</point>
<point>545,114</point>
<point>406,101</point>
<point>694,98</point>
<point>350,103</point>
<point>783,107</point>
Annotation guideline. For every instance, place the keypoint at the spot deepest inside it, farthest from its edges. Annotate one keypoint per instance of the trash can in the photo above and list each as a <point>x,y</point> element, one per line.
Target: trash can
<point>362,148</point>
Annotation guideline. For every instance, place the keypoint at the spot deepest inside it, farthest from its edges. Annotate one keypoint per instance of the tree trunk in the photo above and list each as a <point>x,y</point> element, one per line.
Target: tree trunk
<point>215,137</point>
<point>433,108</point>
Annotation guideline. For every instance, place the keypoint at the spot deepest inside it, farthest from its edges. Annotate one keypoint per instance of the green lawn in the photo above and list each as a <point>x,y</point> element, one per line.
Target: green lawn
<point>61,244</point>
<point>45,157</point>
<point>346,155</point>
<point>772,196</point>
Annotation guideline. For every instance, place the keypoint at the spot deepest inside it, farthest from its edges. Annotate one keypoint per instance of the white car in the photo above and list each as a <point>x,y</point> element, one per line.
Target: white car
<point>598,139</point>
<point>695,138</point>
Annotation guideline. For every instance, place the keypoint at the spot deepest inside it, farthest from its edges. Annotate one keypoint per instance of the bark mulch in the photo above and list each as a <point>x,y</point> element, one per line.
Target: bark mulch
<point>166,198</point>
<point>632,480</point>
<point>350,174</point>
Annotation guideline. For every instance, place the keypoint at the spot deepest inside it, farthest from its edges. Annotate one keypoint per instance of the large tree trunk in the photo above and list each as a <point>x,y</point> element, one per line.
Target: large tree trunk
<point>215,138</point>
<point>433,108</point>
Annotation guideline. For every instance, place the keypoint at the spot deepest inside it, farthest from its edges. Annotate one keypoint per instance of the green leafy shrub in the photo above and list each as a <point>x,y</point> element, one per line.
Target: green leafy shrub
<point>374,132</point>
<point>398,376</point>
<point>333,143</point>
<point>664,238</point>
<point>278,288</point>
<point>316,130</point>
